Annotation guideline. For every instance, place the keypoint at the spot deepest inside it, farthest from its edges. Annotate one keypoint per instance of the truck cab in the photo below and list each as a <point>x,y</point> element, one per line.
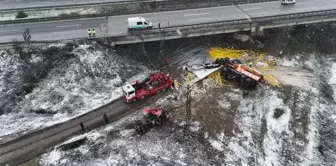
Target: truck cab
<point>139,23</point>
<point>288,2</point>
<point>128,91</point>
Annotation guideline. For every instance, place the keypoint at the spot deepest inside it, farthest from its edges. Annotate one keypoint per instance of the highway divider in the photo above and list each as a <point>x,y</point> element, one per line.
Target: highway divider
<point>145,6</point>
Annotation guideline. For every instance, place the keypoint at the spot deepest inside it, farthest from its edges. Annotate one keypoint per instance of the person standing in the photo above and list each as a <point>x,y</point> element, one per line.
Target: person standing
<point>82,126</point>
<point>89,32</point>
<point>105,118</point>
<point>93,33</point>
<point>159,26</point>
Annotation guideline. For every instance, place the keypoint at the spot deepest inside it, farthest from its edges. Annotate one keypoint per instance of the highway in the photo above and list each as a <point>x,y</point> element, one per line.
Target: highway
<point>20,4</point>
<point>117,25</point>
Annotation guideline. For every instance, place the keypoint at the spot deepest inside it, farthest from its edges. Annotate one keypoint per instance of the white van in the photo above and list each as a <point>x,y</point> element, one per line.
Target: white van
<point>287,2</point>
<point>139,23</point>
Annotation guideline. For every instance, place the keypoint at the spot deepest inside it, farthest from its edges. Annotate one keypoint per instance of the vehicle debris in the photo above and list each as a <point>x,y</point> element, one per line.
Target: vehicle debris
<point>153,117</point>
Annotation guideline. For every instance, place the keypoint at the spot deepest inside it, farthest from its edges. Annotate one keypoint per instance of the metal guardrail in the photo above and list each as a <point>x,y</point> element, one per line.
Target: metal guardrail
<point>233,24</point>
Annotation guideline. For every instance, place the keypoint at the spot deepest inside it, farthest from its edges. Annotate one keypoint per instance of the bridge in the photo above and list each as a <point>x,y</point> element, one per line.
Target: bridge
<point>195,22</point>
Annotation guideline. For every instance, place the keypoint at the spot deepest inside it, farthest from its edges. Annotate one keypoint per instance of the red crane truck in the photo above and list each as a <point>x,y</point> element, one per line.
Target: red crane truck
<point>155,83</point>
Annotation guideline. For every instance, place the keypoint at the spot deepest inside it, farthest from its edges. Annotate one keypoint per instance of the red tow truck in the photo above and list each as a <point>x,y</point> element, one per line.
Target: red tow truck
<point>155,83</point>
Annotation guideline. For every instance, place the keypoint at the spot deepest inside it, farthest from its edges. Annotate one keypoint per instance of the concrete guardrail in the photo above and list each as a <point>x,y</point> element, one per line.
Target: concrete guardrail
<point>227,26</point>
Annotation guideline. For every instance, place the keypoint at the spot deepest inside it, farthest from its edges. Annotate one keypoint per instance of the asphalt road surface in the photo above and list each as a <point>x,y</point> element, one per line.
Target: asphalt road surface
<point>20,4</point>
<point>117,25</point>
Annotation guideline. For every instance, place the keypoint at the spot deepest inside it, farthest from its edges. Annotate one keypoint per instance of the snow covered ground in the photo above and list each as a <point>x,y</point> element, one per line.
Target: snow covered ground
<point>52,85</point>
<point>292,125</point>
<point>49,13</point>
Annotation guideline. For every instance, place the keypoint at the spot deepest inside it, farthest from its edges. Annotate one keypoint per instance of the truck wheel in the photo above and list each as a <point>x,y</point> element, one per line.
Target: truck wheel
<point>248,84</point>
<point>221,61</point>
<point>158,92</point>
<point>142,97</point>
<point>224,73</point>
<point>254,84</point>
<point>134,100</point>
<point>163,89</point>
<point>242,81</point>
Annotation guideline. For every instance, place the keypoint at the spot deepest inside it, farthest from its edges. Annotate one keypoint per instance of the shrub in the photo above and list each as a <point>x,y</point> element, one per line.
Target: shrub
<point>70,15</point>
<point>21,14</point>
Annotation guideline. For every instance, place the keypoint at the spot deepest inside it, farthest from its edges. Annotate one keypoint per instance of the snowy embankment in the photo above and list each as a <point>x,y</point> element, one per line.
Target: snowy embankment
<point>45,87</point>
<point>50,13</point>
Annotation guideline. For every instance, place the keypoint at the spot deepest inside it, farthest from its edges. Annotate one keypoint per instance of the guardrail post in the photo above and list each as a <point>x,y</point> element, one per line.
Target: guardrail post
<point>253,30</point>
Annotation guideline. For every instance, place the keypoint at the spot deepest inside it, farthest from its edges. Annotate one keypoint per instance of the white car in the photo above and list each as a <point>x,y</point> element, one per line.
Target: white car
<point>288,2</point>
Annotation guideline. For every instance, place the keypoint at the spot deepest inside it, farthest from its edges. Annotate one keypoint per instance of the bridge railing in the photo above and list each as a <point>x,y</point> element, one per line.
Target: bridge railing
<point>226,25</point>
<point>180,5</point>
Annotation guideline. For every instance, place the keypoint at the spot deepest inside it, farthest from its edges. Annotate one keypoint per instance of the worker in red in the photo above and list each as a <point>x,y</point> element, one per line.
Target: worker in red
<point>153,113</point>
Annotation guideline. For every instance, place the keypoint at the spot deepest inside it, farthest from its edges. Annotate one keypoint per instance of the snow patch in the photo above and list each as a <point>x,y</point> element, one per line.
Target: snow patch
<point>216,144</point>
<point>49,13</point>
<point>275,130</point>
<point>288,63</point>
<point>224,104</point>
<point>52,158</point>
<point>332,80</point>
<point>95,136</point>
<point>195,126</point>
<point>126,133</point>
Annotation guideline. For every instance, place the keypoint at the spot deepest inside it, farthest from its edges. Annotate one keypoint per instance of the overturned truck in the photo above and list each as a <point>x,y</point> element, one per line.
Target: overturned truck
<point>233,70</point>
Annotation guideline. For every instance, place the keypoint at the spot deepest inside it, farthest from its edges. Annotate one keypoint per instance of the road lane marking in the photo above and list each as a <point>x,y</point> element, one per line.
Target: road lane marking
<point>259,13</point>
<point>74,25</point>
<point>257,8</point>
<point>304,3</point>
<point>309,8</point>
<point>200,19</point>
<point>10,30</point>
<point>196,14</point>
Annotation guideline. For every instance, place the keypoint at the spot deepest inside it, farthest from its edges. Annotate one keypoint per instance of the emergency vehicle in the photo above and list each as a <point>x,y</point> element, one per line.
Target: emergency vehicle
<point>156,83</point>
<point>138,23</point>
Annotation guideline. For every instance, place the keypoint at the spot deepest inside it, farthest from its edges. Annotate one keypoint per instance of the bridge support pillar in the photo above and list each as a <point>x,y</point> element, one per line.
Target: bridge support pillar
<point>257,30</point>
